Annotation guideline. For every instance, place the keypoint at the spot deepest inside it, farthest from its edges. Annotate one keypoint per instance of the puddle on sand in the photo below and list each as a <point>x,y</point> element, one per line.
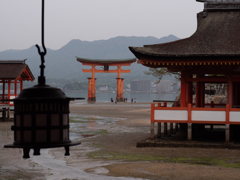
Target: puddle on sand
<point>59,169</point>
<point>80,126</point>
<point>87,126</point>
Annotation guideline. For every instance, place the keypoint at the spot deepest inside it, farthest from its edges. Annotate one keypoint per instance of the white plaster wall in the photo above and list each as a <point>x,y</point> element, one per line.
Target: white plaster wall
<point>171,115</point>
<point>234,116</point>
<point>208,116</point>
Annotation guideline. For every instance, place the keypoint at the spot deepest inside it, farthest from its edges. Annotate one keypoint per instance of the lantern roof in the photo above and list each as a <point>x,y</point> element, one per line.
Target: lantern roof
<point>14,69</point>
<point>216,36</point>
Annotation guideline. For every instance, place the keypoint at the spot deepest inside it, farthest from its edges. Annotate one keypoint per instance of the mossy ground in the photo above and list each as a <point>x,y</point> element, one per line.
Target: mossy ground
<point>228,163</point>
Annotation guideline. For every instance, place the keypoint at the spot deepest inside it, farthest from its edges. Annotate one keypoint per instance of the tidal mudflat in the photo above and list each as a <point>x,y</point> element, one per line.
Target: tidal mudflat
<point>108,150</point>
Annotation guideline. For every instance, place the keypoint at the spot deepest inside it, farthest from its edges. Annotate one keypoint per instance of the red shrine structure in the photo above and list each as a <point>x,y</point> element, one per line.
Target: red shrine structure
<point>210,55</point>
<point>105,63</point>
<point>12,75</point>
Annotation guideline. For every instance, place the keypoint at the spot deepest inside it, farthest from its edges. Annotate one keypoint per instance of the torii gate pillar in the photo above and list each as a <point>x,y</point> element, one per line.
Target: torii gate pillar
<point>92,89</point>
<point>120,89</point>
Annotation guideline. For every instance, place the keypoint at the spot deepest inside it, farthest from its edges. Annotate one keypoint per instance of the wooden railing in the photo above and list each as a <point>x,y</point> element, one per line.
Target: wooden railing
<point>194,114</point>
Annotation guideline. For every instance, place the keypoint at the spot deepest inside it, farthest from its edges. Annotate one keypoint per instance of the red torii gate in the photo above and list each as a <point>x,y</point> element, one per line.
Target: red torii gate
<point>105,63</point>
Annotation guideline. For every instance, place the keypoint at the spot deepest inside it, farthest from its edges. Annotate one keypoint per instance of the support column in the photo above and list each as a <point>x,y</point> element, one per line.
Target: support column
<point>165,130</point>
<point>15,88</point>
<point>230,92</point>
<point>159,130</point>
<point>89,89</point>
<point>152,131</point>
<point>3,90</point>
<point>189,90</point>
<point>183,89</point>
<point>189,131</point>
<point>119,90</point>
<point>202,100</point>
<point>9,91</point>
<point>94,89</point>
<point>227,133</point>
<point>198,92</point>
<point>21,85</point>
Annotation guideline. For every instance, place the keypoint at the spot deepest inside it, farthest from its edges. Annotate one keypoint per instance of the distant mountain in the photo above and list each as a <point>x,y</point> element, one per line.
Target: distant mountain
<point>62,63</point>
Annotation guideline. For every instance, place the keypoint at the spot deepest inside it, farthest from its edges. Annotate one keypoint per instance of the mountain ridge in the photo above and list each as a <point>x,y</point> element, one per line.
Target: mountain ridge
<point>61,63</point>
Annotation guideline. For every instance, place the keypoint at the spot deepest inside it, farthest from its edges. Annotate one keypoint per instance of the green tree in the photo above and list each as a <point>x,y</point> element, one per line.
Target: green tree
<point>160,72</point>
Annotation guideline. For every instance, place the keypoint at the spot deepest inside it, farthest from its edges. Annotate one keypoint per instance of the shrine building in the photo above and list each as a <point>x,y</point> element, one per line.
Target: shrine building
<point>105,63</point>
<point>12,75</point>
<point>210,55</point>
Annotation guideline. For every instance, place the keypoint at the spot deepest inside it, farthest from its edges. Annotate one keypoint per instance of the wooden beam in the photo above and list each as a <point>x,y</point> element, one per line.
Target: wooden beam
<point>109,71</point>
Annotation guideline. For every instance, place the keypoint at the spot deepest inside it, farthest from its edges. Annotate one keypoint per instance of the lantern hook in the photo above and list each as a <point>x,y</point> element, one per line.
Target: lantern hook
<point>41,78</point>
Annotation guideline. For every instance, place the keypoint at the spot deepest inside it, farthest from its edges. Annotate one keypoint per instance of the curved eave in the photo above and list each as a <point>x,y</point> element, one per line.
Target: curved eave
<point>215,37</point>
<point>106,61</point>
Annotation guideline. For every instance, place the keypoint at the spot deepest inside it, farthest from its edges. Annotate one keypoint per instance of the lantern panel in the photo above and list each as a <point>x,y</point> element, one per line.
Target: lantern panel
<point>55,135</point>
<point>55,120</point>
<point>41,120</point>
<point>65,119</point>
<point>18,136</point>
<point>27,120</point>
<point>18,120</point>
<point>41,136</point>
<point>65,135</point>
<point>27,136</point>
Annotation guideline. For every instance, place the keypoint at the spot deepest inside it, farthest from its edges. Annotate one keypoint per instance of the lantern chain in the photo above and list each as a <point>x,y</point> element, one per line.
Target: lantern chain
<point>41,78</point>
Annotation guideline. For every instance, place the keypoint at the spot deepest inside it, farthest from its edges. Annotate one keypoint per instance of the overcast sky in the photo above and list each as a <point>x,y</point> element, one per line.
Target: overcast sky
<point>20,20</point>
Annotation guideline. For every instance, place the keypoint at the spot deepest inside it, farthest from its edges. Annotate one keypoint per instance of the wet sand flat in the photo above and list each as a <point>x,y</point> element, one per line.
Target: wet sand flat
<point>114,153</point>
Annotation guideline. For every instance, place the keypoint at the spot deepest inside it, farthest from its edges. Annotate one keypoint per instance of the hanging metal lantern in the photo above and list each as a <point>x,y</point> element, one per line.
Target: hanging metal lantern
<point>41,115</point>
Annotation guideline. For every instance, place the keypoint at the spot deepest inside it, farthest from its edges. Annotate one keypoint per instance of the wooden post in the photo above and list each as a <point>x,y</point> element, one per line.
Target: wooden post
<point>227,133</point>
<point>176,127</point>
<point>118,89</point>
<point>189,131</point>
<point>21,85</point>
<point>183,89</point>
<point>189,90</point>
<point>227,126</point>
<point>3,94</point>
<point>159,125</point>
<point>159,130</point>
<point>230,92</point>
<point>9,90</point>
<point>89,89</point>
<point>152,131</point>
<point>15,88</point>
<point>165,129</point>
<point>94,89</point>
<point>202,100</point>
<point>197,92</point>
<point>171,128</point>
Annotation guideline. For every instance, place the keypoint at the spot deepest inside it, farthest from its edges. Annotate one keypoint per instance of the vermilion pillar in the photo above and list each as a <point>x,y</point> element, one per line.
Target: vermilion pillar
<point>121,90</point>
<point>183,89</point>
<point>118,93</point>
<point>189,91</point>
<point>230,92</point>
<point>198,92</point>
<point>89,89</point>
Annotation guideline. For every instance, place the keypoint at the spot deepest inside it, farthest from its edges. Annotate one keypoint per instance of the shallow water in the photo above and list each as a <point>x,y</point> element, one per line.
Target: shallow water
<point>80,127</point>
<point>59,169</point>
<point>86,126</point>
